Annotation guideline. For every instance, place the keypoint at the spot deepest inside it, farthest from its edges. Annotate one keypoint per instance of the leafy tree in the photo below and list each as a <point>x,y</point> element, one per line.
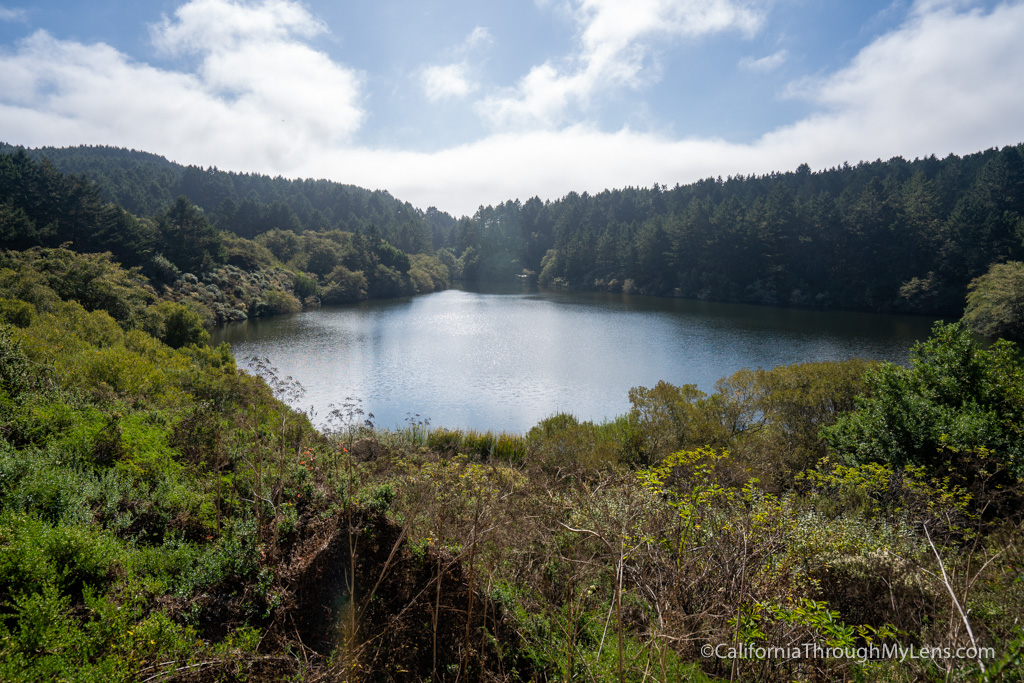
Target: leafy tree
<point>304,285</point>
<point>955,397</point>
<point>671,417</point>
<point>995,302</point>
<point>94,280</point>
<point>181,326</point>
<point>344,286</point>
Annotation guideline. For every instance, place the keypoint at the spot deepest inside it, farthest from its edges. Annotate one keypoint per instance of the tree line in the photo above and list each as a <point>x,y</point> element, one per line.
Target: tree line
<point>246,204</point>
<point>896,235</point>
<point>890,235</point>
<point>189,258</point>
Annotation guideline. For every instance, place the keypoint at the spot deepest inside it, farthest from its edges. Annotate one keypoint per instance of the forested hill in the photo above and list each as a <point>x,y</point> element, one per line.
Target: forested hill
<point>61,228</point>
<point>891,235</point>
<point>243,203</point>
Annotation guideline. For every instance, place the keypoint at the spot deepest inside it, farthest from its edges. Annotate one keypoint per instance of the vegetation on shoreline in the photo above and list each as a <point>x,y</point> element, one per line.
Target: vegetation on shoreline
<point>164,516</point>
<point>182,257</point>
<point>823,239</point>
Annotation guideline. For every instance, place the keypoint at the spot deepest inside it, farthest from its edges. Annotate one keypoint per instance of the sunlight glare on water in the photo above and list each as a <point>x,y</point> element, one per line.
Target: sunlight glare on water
<point>506,361</point>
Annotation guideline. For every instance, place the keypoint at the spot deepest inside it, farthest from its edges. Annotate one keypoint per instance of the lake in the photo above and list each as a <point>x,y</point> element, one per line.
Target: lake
<point>506,360</point>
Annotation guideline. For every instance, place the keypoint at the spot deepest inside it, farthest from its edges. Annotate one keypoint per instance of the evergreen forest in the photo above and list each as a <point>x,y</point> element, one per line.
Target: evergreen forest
<point>891,236</point>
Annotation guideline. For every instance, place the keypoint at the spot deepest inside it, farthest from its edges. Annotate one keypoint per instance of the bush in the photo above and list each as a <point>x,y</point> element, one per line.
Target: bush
<point>182,326</point>
<point>17,313</point>
<point>14,373</point>
<point>955,396</point>
<point>995,302</point>
<point>280,302</point>
<point>304,285</point>
<point>344,286</point>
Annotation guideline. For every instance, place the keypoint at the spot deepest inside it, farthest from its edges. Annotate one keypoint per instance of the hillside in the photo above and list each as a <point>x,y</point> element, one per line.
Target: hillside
<point>164,516</point>
<point>219,274</point>
<point>896,235</point>
<point>243,203</point>
<point>167,517</point>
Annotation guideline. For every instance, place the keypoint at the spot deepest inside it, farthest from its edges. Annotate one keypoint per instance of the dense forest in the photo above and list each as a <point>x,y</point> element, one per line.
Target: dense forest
<point>165,516</point>
<point>882,236</point>
<point>891,235</point>
<point>242,203</point>
<point>185,257</point>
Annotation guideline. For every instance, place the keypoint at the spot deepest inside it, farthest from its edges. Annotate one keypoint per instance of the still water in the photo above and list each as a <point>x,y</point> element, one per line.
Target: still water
<point>505,361</point>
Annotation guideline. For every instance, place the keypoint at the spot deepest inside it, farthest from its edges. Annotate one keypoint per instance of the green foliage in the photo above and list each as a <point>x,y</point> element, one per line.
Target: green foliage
<point>161,510</point>
<point>246,254</point>
<point>955,396</point>
<point>428,274</point>
<point>41,207</point>
<point>304,286</point>
<point>995,302</point>
<point>44,276</point>
<point>17,313</point>
<point>181,325</point>
<point>908,495</point>
<point>187,239</point>
<point>14,373</point>
<point>774,416</point>
<point>343,286</point>
<point>670,418</point>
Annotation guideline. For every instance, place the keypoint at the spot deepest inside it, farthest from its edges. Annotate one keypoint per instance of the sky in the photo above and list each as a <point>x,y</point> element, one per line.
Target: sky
<point>458,104</point>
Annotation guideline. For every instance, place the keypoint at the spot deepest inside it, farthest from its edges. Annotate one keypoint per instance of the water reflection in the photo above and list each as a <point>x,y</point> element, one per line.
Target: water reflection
<point>504,360</point>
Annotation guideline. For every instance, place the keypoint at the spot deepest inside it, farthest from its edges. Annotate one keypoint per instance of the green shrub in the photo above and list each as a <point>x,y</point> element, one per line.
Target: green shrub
<point>182,326</point>
<point>344,286</point>
<point>304,285</point>
<point>14,372</point>
<point>281,302</point>
<point>445,440</point>
<point>17,313</point>
<point>995,302</point>
<point>954,397</point>
<point>510,448</point>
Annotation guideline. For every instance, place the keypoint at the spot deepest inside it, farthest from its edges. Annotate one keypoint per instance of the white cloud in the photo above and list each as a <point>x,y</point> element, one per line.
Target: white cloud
<point>908,93</point>
<point>615,38</point>
<point>203,26</point>
<point>947,80</point>
<point>764,64</point>
<point>442,82</point>
<point>479,37</point>
<point>944,81</point>
<point>259,96</point>
<point>7,14</point>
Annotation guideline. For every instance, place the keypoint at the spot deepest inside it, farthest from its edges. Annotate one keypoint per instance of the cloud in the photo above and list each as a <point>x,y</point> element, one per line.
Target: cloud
<point>7,14</point>
<point>444,81</point>
<point>203,26</point>
<point>764,64</point>
<point>260,95</point>
<point>946,80</point>
<point>907,93</point>
<point>479,37</point>
<point>615,38</point>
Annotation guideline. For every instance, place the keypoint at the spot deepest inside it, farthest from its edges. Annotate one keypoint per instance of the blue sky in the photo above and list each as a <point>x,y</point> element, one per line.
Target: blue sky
<point>456,104</point>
